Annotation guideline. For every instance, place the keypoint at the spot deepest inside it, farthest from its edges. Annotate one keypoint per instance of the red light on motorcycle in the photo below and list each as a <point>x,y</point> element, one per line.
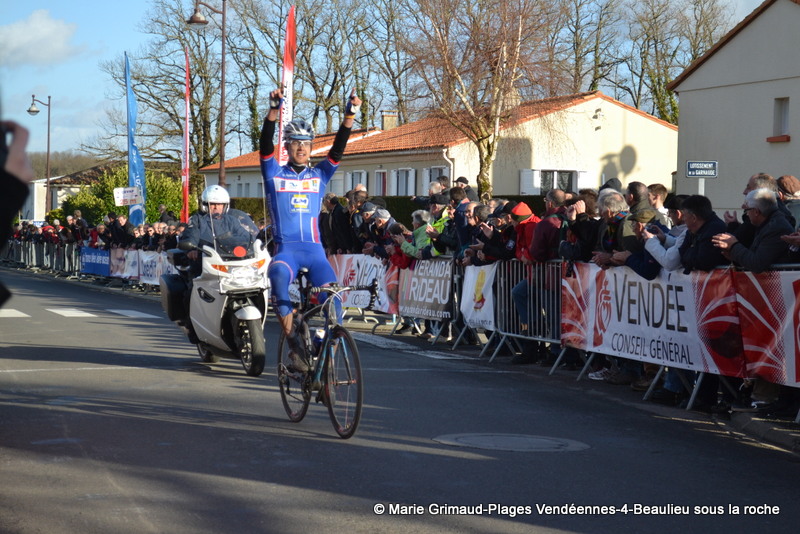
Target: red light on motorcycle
<point>222,268</point>
<point>239,252</point>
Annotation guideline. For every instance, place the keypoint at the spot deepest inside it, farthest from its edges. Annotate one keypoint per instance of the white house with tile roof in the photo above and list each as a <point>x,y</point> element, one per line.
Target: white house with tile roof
<point>574,141</point>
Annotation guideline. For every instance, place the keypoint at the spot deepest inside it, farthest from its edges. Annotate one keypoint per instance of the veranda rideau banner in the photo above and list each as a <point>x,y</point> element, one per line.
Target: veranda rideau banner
<point>678,320</point>
<point>426,291</point>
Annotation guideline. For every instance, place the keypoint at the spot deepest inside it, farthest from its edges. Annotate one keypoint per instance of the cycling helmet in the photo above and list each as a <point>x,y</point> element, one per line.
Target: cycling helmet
<point>215,194</point>
<point>298,129</point>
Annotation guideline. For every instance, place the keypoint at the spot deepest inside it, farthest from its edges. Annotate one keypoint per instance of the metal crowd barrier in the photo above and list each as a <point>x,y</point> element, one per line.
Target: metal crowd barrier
<point>543,299</point>
<point>63,259</point>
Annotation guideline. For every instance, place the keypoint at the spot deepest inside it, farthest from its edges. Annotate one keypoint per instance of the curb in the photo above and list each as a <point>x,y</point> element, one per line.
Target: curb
<point>782,433</point>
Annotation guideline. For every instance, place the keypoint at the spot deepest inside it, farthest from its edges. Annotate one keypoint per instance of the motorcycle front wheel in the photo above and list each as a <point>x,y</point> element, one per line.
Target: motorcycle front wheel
<point>252,352</point>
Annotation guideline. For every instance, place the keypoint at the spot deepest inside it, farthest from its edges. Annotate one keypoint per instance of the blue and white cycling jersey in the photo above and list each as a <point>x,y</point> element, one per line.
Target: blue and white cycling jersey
<point>295,200</point>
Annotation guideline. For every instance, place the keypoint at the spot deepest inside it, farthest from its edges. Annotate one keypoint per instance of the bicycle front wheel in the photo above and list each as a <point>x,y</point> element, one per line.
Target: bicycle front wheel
<point>295,387</point>
<point>344,387</point>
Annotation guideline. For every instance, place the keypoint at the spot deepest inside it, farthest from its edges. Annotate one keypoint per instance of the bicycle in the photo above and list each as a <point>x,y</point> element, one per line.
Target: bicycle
<point>335,367</point>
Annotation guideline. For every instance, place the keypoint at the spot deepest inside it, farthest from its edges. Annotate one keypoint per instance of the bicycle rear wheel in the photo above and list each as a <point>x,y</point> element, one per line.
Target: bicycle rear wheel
<point>344,387</point>
<point>295,387</point>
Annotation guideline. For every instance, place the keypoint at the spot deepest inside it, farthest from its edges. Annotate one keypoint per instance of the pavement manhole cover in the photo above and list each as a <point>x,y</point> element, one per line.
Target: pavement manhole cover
<point>512,442</point>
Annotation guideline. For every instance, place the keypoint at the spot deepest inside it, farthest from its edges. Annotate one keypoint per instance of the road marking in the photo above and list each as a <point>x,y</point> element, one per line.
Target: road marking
<point>70,312</point>
<point>82,369</point>
<point>135,314</point>
<point>12,313</point>
<point>74,312</point>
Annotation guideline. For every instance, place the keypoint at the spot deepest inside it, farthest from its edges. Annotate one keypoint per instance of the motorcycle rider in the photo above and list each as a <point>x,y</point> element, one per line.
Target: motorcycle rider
<point>294,195</point>
<point>215,224</point>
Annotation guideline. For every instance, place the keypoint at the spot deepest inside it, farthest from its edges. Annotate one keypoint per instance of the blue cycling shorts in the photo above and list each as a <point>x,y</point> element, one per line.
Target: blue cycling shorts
<point>287,262</point>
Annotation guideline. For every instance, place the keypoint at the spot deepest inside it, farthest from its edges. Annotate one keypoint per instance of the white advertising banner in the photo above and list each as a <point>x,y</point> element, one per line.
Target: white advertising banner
<point>477,296</point>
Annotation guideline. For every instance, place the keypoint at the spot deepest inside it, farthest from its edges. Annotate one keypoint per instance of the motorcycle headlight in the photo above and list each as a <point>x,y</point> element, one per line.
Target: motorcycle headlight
<point>239,277</point>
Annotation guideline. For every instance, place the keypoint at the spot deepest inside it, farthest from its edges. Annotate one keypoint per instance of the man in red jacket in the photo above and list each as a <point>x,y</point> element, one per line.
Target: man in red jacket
<point>524,222</point>
<point>547,237</point>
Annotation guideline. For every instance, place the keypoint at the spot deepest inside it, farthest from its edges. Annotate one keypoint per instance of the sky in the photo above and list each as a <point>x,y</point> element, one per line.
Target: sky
<point>54,48</point>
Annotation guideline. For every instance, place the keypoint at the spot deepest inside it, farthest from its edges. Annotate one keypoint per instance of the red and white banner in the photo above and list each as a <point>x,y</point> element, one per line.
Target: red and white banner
<point>186,155</point>
<point>361,270</point>
<point>287,81</point>
<point>769,312</point>
<point>477,296</point>
<point>684,321</point>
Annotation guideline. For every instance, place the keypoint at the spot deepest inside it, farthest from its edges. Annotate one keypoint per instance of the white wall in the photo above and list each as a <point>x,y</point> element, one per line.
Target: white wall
<point>727,108</point>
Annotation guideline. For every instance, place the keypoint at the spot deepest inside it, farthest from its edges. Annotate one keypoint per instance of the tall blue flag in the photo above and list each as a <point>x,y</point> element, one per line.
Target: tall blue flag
<point>135,163</point>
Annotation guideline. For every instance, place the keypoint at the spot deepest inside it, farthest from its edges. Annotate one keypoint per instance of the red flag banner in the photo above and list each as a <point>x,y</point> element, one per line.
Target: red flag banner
<point>289,54</point>
<point>186,159</point>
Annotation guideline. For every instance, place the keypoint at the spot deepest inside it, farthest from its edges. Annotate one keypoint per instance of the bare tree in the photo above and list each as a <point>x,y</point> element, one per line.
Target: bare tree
<point>157,77</point>
<point>590,34</point>
<point>701,24</point>
<point>255,45</point>
<point>664,38</point>
<point>394,66</point>
<point>474,58</point>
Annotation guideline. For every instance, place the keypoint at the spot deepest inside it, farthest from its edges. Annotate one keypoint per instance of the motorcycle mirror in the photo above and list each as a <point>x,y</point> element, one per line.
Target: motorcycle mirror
<point>239,251</point>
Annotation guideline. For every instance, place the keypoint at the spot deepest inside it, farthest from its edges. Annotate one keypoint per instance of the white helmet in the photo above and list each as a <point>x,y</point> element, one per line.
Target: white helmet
<point>215,194</point>
<point>298,129</point>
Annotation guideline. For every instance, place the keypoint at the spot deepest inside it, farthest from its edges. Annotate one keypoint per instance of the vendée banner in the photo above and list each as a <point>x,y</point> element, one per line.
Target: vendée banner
<point>722,322</point>
<point>769,311</point>
<point>684,321</point>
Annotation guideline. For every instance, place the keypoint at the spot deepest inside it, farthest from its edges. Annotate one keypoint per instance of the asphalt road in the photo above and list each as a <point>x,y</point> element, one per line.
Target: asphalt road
<point>109,422</point>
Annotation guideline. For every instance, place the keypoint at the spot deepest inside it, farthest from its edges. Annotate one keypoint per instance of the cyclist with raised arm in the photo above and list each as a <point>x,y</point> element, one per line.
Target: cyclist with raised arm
<point>294,196</point>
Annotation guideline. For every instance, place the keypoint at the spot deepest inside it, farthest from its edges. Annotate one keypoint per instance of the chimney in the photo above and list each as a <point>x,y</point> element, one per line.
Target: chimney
<point>389,119</point>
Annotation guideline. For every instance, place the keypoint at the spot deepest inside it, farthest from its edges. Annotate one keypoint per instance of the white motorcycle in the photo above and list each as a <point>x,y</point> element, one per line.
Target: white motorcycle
<point>225,312</point>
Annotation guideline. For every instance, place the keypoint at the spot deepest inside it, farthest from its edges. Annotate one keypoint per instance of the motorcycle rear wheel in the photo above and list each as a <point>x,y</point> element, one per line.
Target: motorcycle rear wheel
<point>205,353</point>
<point>253,352</point>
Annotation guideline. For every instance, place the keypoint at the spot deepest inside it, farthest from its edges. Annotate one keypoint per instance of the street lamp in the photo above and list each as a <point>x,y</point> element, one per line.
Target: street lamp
<point>199,22</point>
<point>33,110</point>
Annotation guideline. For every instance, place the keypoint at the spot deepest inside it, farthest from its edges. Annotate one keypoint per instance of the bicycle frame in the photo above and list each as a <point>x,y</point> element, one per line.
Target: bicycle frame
<point>335,373</point>
<point>306,311</point>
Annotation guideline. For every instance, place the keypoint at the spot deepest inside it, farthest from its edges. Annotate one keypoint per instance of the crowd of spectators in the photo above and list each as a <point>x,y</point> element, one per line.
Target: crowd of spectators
<point>639,226</point>
<point>116,231</point>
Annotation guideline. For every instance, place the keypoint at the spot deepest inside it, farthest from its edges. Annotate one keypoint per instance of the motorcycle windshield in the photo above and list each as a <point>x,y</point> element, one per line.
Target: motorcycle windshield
<point>234,235</point>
